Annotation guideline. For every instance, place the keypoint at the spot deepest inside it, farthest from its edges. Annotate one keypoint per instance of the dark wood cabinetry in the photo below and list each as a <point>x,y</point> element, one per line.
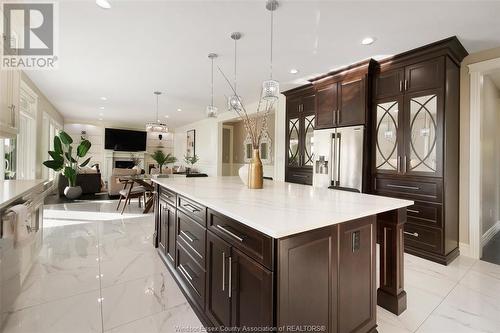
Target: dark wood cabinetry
<point>342,96</point>
<point>415,150</point>
<point>235,276</point>
<point>166,228</point>
<point>300,124</point>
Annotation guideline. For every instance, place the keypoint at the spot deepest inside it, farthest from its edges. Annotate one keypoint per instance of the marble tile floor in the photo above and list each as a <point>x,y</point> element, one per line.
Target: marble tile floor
<point>98,272</point>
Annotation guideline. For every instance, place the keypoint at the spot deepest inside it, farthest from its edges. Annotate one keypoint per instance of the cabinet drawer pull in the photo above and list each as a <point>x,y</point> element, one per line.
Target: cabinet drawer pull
<point>223,270</point>
<point>413,211</point>
<point>229,233</point>
<point>191,208</point>
<point>186,274</point>
<point>187,235</point>
<point>414,234</point>
<point>405,187</point>
<point>230,279</point>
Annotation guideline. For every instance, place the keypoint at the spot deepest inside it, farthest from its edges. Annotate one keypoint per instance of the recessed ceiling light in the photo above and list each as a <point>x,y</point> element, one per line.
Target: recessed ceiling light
<point>101,107</point>
<point>294,71</point>
<point>368,41</point>
<point>179,110</point>
<point>101,114</point>
<point>100,119</point>
<point>104,98</point>
<point>103,4</point>
<point>166,116</point>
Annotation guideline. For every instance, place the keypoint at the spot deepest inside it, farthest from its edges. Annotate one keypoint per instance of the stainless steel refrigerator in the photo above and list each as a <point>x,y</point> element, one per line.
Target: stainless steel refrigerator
<point>339,158</point>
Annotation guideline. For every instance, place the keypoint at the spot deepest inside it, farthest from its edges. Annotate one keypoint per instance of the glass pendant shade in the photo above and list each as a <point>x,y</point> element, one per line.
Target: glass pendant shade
<point>212,111</point>
<point>234,103</point>
<point>270,90</point>
<point>156,127</point>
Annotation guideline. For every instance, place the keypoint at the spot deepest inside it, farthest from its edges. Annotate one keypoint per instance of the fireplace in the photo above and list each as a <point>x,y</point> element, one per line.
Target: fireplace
<point>124,164</point>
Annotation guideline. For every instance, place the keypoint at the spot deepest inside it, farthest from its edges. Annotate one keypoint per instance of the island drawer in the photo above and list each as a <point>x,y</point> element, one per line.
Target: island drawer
<point>192,209</point>
<point>168,195</point>
<point>425,213</point>
<point>192,274</point>
<point>250,241</point>
<point>425,190</point>
<point>192,236</point>
<point>300,177</point>
<point>421,237</point>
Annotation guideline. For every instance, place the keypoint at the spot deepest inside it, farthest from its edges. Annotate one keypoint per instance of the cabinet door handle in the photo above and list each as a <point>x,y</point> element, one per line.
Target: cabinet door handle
<point>404,164</point>
<point>186,274</point>
<point>227,232</point>
<point>414,234</point>
<point>230,278</point>
<point>399,164</point>
<point>223,271</point>
<point>405,187</point>
<point>400,85</point>
<point>413,211</point>
<point>187,235</point>
<point>406,85</point>
<point>13,115</point>
<point>191,208</point>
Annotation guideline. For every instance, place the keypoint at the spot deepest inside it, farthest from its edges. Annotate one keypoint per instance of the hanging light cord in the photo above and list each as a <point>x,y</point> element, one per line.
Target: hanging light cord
<point>157,106</point>
<point>212,95</point>
<point>271,62</point>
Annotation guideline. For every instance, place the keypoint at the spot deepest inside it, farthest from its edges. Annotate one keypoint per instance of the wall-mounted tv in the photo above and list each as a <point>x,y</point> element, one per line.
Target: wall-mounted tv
<point>124,140</point>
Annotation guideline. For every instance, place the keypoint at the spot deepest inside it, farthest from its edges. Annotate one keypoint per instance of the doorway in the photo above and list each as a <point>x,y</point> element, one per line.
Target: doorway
<point>227,150</point>
<point>484,172</point>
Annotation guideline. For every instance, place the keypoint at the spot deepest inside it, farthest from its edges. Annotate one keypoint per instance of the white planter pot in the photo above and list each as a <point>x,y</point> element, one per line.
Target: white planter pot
<point>73,193</point>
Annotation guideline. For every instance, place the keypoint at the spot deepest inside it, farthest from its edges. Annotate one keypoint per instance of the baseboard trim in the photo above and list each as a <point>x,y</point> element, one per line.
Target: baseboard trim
<point>488,235</point>
<point>465,250</point>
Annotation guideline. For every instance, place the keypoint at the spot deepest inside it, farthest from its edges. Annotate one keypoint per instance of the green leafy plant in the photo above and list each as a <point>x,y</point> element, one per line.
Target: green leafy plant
<point>191,159</point>
<point>162,159</point>
<point>63,158</point>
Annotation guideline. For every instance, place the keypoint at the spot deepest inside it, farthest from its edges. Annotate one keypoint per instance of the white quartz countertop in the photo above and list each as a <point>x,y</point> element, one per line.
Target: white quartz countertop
<point>280,209</point>
<point>12,190</point>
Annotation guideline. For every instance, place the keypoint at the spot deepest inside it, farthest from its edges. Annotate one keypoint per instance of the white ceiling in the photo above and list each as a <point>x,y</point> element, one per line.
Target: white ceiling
<point>136,47</point>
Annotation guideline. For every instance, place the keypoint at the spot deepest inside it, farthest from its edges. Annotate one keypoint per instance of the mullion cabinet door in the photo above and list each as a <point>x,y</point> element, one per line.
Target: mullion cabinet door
<point>293,135</point>
<point>388,134</point>
<point>423,133</point>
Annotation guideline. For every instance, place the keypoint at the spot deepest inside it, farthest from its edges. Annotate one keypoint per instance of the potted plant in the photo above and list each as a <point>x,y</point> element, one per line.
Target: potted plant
<point>190,160</point>
<point>162,159</point>
<point>64,160</point>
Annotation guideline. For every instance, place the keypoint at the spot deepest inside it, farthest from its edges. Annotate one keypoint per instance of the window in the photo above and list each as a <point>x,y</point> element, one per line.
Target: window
<point>50,128</point>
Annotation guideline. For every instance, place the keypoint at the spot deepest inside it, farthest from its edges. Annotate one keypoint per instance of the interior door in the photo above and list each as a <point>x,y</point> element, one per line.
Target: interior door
<point>218,307</point>
<point>388,135</point>
<point>252,293</point>
<point>423,133</point>
<point>352,102</point>
<point>326,105</point>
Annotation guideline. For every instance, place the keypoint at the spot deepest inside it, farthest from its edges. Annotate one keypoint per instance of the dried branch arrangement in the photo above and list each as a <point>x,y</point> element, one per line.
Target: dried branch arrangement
<point>255,124</point>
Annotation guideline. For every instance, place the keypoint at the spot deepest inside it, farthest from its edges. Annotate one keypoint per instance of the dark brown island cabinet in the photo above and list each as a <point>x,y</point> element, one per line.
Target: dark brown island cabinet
<point>320,280</point>
<point>409,105</point>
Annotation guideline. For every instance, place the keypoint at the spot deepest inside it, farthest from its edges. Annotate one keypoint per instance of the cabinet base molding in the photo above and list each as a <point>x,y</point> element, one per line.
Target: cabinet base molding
<point>393,303</point>
<point>440,259</point>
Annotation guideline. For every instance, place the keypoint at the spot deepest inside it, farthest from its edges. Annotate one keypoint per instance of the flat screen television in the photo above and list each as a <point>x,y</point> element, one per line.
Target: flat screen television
<point>124,140</point>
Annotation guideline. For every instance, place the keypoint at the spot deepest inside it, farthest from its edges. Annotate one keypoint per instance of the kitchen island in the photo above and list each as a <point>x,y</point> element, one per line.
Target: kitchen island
<point>288,256</point>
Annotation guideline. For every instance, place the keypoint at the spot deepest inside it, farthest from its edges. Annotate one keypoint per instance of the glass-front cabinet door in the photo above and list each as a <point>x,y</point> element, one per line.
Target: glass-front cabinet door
<point>293,142</point>
<point>388,136</point>
<point>309,140</point>
<point>422,132</point>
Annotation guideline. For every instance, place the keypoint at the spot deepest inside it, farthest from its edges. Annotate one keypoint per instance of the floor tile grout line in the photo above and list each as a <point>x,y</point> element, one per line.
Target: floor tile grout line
<point>445,297</point>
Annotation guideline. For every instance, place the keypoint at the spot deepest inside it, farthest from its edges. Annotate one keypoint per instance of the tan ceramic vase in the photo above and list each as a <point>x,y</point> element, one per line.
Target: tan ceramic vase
<point>255,174</point>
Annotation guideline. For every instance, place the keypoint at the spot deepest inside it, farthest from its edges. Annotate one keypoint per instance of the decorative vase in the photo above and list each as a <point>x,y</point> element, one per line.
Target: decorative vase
<point>243,173</point>
<point>255,174</point>
<point>73,192</point>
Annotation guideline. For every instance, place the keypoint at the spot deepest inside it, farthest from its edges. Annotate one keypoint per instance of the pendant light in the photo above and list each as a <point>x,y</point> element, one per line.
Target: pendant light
<point>234,102</point>
<point>271,88</point>
<point>157,126</point>
<point>212,111</point>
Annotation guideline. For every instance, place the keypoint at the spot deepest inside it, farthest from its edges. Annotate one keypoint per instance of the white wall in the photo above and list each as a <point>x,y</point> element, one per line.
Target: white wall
<point>490,155</point>
<point>209,141</point>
